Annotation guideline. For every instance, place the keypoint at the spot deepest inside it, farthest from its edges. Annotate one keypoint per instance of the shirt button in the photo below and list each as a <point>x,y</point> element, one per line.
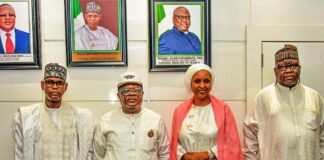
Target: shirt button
<point>132,123</point>
<point>132,132</point>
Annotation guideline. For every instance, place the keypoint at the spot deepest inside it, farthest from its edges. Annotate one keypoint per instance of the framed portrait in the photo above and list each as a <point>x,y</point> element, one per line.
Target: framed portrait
<point>20,35</point>
<point>179,34</point>
<point>96,33</point>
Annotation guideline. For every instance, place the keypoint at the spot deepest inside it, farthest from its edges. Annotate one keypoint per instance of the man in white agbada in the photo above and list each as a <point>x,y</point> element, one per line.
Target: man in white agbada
<point>131,132</point>
<point>91,36</point>
<point>53,130</point>
<point>286,121</point>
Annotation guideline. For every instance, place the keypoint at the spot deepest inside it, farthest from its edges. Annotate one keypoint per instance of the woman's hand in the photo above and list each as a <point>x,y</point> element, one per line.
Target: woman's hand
<point>195,156</point>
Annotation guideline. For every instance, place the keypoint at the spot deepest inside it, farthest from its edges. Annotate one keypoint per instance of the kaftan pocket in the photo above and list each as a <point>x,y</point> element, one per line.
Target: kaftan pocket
<point>311,119</point>
<point>149,140</point>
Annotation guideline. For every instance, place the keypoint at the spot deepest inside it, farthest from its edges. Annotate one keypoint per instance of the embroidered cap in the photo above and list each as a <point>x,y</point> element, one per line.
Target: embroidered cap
<point>129,77</point>
<point>288,52</point>
<point>93,7</point>
<point>54,70</point>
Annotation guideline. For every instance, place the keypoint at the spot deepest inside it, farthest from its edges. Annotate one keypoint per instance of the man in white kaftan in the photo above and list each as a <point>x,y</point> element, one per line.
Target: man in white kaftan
<point>94,37</point>
<point>100,39</point>
<point>53,130</point>
<point>286,121</point>
<point>131,132</point>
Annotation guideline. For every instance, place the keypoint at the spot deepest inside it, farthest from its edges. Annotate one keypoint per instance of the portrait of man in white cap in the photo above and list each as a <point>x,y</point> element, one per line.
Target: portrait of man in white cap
<point>91,36</point>
<point>131,131</point>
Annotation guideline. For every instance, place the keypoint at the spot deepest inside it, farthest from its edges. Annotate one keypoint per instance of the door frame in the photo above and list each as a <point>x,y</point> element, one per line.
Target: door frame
<point>256,35</point>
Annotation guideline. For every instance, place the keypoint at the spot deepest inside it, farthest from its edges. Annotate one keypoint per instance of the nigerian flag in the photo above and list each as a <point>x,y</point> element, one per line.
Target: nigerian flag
<point>77,15</point>
<point>160,12</point>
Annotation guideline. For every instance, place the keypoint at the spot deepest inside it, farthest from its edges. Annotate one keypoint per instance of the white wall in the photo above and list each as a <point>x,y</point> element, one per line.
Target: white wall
<point>96,90</point>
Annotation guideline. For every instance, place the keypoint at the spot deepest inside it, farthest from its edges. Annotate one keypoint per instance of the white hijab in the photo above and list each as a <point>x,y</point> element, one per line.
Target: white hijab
<point>194,69</point>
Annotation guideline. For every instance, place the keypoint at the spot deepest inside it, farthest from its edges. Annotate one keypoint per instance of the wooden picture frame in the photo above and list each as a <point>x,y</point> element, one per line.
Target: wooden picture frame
<point>179,34</point>
<point>96,33</point>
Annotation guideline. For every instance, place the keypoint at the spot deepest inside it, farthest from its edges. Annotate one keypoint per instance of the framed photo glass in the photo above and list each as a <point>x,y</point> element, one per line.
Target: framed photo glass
<point>20,35</point>
<point>179,34</point>
<point>96,33</point>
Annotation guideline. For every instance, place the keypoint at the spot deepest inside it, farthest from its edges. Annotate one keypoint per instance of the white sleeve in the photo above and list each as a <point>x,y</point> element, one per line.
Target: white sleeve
<point>17,131</point>
<point>78,39</point>
<point>111,39</point>
<point>99,144</point>
<point>250,132</point>
<point>163,142</point>
<point>180,151</point>
<point>114,41</point>
<point>215,150</point>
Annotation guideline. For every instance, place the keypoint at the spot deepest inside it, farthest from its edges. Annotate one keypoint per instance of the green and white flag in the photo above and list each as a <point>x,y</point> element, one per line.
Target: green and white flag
<point>160,12</point>
<point>77,15</point>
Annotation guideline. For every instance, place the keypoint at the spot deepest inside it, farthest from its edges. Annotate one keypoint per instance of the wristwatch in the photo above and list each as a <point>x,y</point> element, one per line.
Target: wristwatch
<point>210,155</point>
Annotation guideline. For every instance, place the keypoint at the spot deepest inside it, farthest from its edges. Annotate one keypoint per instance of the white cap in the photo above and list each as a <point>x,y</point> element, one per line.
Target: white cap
<point>129,77</point>
<point>93,7</point>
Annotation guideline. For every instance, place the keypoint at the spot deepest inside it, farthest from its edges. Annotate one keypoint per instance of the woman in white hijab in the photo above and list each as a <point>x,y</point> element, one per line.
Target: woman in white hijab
<point>203,127</point>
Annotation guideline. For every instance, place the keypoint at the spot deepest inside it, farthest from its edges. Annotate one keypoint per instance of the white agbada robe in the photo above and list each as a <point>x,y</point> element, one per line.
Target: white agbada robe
<point>198,131</point>
<point>100,39</point>
<point>285,124</point>
<point>53,134</point>
<point>141,136</point>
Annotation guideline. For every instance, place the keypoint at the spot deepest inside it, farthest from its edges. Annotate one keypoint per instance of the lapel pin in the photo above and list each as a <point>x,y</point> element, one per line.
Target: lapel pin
<point>150,133</point>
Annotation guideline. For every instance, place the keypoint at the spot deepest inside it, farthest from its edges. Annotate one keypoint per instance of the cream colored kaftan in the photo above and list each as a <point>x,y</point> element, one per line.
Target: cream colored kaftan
<point>198,131</point>
<point>53,134</point>
<point>285,124</point>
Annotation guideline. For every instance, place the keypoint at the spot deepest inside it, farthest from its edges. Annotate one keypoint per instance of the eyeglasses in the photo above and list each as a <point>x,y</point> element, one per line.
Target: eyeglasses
<point>50,83</point>
<point>127,91</point>
<point>9,15</point>
<point>284,67</point>
<point>180,17</point>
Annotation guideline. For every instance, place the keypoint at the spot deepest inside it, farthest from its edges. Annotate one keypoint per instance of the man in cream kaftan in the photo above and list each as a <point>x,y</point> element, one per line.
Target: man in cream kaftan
<point>100,39</point>
<point>140,136</point>
<point>57,134</point>
<point>131,132</point>
<point>285,124</point>
<point>53,130</point>
<point>286,121</point>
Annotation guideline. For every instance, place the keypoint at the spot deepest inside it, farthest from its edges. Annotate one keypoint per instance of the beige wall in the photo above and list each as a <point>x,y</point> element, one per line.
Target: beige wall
<point>97,88</point>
